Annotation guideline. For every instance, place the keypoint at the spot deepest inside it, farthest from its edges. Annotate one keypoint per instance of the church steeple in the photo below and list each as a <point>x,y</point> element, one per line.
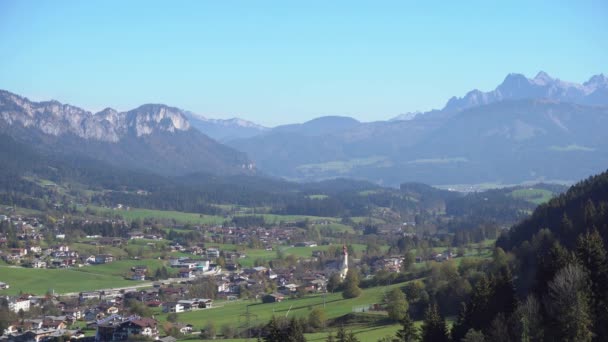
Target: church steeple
<point>344,267</point>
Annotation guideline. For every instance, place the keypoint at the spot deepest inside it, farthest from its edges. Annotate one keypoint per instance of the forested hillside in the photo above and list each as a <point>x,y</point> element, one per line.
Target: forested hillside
<point>553,288</point>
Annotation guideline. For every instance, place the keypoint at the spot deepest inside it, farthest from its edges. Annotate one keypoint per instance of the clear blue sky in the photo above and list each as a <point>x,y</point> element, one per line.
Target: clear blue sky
<point>276,62</point>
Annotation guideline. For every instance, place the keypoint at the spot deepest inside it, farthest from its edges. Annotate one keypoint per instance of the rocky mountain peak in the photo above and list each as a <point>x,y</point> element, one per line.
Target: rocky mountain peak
<point>543,78</point>
<point>596,81</point>
<point>147,118</point>
<point>55,118</point>
<point>542,86</point>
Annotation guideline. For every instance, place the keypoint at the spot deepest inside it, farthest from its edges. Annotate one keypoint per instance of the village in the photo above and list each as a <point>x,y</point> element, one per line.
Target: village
<point>193,276</point>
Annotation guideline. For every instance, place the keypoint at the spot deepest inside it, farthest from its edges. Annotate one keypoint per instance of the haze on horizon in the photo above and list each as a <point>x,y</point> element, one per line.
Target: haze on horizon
<point>281,62</point>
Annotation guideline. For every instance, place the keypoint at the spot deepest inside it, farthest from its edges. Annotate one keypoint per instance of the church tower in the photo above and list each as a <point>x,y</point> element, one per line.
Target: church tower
<point>344,267</point>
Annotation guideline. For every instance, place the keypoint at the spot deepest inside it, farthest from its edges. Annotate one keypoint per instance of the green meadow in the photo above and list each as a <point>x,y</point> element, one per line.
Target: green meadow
<point>39,281</point>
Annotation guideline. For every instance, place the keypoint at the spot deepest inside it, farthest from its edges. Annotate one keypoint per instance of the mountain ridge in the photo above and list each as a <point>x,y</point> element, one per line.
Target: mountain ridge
<point>517,86</point>
<point>150,137</point>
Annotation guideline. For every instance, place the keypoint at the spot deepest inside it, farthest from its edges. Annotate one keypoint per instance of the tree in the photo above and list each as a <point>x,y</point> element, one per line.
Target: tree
<point>228,331</point>
<point>529,319</point>
<point>317,318</point>
<point>172,317</point>
<point>295,331</point>
<point>210,331</point>
<point>408,331</point>
<point>341,334</point>
<point>474,336</point>
<point>139,308</point>
<point>334,282</point>
<point>273,331</point>
<point>408,261</point>
<point>591,252</point>
<point>351,285</point>
<point>434,328</point>
<point>568,305</point>
<point>396,304</point>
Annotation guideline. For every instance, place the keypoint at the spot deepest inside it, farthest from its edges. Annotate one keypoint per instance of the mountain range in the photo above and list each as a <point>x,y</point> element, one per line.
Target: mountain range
<point>594,92</point>
<point>225,129</point>
<point>524,130</point>
<point>153,137</point>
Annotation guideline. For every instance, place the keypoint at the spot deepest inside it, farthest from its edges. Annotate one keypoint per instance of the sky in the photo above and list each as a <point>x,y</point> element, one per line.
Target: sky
<point>277,62</point>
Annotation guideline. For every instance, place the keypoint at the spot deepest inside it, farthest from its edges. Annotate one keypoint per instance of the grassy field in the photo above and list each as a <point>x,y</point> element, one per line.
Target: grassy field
<point>193,218</point>
<point>39,281</point>
<point>337,227</point>
<point>121,267</point>
<point>343,166</point>
<point>536,196</point>
<point>230,313</point>
<point>135,214</point>
<point>363,333</point>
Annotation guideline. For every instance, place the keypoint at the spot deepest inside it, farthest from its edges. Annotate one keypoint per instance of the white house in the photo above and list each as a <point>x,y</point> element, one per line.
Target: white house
<point>173,307</point>
<point>17,305</point>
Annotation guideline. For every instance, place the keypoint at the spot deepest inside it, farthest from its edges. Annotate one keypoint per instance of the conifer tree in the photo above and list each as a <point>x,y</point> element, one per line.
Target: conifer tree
<point>273,331</point>
<point>295,331</point>
<point>408,331</point>
<point>341,334</point>
<point>592,256</point>
<point>434,328</point>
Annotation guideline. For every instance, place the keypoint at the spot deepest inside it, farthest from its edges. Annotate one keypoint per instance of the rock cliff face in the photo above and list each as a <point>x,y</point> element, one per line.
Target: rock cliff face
<point>54,118</point>
<point>154,137</point>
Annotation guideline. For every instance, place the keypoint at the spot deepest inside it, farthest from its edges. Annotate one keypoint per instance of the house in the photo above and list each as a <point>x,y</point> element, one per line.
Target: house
<point>138,276</point>
<point>186,273</point>
<point>18,252</point>
<point>439,257</point>
<point>196,250</point>
<point>173,307</point>
<point>306,244</point>
<point>183,328</point>
<point>38,263</point>
<point>136,235</point>
<point>195,304</point>
<point>103,258</point>
<point>76,313</point>
<point>118,328</point>
<point>62,248</point>
<point>143,326</point>
<point>18,304</point>
<point>213,252</point>
<point>109,241</point>
<point>273,298</point>
<point>223,286</point>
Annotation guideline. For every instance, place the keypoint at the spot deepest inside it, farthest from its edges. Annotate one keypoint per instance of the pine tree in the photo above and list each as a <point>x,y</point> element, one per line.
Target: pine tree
<point>341,335</point>
<point>434,328</point>
<point>350,337</point>
<point>273,331</point>
<point>503,294</point>
<point>408,331</point>
<point>592,255</point>
<point>462,325</point>
<point>295,331</point>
